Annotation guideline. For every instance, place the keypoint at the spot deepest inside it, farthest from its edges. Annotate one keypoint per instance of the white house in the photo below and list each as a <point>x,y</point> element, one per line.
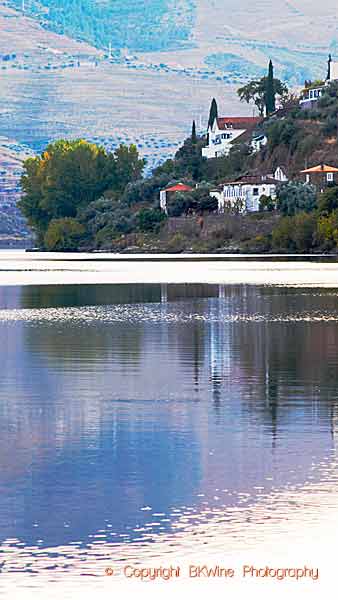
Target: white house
<point>224,132</point>
<point>244,193</point>
<point>258,142</point>
<point>311,94</point>
<point>321,175</point>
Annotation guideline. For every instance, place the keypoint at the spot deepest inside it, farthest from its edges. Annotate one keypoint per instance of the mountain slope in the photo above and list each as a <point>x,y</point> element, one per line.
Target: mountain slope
<point>147,26</point>
<point>296,34</point>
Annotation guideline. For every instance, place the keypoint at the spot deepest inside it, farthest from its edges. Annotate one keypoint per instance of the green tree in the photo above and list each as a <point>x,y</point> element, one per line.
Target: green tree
<point>64,234</point>
<point>213,113</point>
<point>294,197</point>
<point>127,166</point>
<point>69,175</point>
<point>106,220</point>
<point>193,134</point>
<point>66,176</point>
<point>328,200</point>
<point>304,231</point>
<point>189,163</point>
<point>149,219</point>
<point>282,235</point>
<point>256,91</point>
<point>327,231</point>
<point>296,233</point>
<point>180,204</point>
<point>270,95</point>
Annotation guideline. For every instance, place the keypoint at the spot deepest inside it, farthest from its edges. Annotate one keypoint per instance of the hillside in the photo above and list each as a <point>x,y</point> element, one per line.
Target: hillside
<point>298,139</point>
<point>168,60</point>
<point>154,25</point>
<point>123,211</point>
<point>232,38</point>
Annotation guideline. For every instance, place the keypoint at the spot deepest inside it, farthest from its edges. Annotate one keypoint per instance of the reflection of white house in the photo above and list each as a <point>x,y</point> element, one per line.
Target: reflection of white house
<point>244,193</point>
<point>311,94</point>
<point>224,132</point>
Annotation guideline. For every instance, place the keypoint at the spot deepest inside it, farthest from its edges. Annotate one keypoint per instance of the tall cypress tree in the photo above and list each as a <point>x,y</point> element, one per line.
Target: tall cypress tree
<point>193,133</point>
<point>213,114</point>
<point>270,94</point>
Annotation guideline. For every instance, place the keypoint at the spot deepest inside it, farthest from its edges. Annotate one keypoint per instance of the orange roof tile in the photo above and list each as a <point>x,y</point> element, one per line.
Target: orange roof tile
<point>321,169</point>
<point>179,187</point>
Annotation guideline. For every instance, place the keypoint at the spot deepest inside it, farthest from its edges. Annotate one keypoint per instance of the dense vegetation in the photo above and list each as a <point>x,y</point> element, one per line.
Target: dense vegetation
<point>76,195</point>
<point>65,180</point>
<point>263,92</point>
<point>139,26</point>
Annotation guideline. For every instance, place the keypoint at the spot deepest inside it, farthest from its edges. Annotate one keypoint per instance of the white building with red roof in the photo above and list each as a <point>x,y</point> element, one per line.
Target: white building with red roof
<point>225,131</point>
<point>174,189</point>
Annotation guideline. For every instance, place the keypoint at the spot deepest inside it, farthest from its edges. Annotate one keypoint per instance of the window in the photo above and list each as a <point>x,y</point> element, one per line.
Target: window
<point>329,177</point>
<point>255,192</point>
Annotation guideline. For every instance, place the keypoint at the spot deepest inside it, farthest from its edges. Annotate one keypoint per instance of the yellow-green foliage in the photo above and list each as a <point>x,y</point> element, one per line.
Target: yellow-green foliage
<point>63,234</point>
<point>327,230</point>
<point>295,233</point>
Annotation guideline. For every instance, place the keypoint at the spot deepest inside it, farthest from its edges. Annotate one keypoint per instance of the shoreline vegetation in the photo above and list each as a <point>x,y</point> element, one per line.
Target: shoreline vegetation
<point>79,197</point>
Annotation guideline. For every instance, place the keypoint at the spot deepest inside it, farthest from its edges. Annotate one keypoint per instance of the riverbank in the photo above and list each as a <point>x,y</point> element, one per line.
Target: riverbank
<point>23,268</point>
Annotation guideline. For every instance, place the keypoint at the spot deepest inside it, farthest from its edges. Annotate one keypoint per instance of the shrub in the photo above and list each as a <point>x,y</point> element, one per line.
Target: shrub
<point>266,203</point>
<point>327,231</point>
<point>64,234</point>
<point>260,243</point>
<point>294,197</point>
<point>328,200</point>
<point>296,233</point>
<point>304,231</point>
<point>145,190</point>
<point>282,132</point>
<point>180,203</point>
<point>282,235</point>
<point>149,219</point>
<point>177,243</point>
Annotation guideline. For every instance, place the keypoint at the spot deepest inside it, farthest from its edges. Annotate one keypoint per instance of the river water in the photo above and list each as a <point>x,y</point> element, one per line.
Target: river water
<point>141,421</point>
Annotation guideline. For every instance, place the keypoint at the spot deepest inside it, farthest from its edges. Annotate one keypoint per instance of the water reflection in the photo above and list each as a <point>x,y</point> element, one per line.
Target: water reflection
<point>118,419</point>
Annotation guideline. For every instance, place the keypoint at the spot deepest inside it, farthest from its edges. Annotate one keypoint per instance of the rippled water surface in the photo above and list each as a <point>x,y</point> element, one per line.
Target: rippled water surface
<point>137,414</point>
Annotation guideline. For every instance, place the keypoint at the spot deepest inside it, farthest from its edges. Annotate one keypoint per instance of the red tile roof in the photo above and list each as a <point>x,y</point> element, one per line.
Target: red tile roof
<point>179,187</point>
<point>238,122</point>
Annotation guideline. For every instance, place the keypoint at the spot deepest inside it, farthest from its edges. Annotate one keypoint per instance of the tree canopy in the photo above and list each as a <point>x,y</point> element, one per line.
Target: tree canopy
<point>69,175</point>
<point>213,113</point>
<point>262,92</point>
<point>294,197</point>
<point>63,234</point>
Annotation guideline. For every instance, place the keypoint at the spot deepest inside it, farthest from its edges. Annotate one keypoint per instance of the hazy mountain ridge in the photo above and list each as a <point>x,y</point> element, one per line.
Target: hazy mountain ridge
<point>137,26</point>
<point>296,34</point>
